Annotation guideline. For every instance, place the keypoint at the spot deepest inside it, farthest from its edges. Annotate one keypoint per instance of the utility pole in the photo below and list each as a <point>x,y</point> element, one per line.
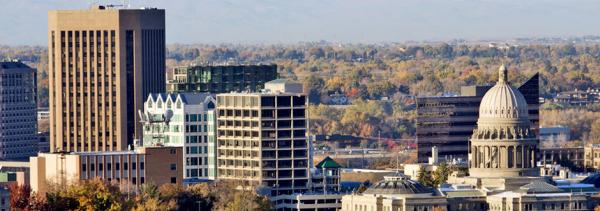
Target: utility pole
<point>379,140</point>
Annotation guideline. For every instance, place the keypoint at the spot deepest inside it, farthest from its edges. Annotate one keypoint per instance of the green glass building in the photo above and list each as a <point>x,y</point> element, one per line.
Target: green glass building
<point>221,78</point>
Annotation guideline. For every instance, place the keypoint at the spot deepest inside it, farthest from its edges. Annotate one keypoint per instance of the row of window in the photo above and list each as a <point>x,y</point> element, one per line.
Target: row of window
<point>109,166</point>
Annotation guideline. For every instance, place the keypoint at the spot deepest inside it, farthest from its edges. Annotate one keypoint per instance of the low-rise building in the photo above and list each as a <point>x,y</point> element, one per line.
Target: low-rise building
<point>396,192</point>
<point>592,157</point>
<point>538,195</point>
<point>184,120</point>
<point>555,133</point>
<point>325,193</point>
<point>43,114</point>
<point>6,179</point>
<point>561,155</point>
<point>128,169</point>
<point>221,78</point>
<point>578,97</point>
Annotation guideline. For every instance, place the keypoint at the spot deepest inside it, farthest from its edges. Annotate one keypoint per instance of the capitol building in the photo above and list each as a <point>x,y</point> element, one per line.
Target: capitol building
<point>503,173</point>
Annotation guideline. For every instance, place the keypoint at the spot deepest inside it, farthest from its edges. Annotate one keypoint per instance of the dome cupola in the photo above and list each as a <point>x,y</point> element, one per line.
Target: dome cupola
<point>503,144</point>
<point>503,102</point>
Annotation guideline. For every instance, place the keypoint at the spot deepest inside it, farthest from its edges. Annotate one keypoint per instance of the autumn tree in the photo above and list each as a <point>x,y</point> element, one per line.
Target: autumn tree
<point>19,196</point>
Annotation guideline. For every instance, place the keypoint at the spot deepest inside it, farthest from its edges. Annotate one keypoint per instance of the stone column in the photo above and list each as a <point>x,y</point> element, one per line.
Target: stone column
<point>544,158</point>
<point>533,163</point>
<point>514,157</point>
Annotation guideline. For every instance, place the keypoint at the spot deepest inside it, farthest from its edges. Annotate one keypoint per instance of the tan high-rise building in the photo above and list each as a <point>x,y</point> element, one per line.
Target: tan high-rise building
<point>103,64</point>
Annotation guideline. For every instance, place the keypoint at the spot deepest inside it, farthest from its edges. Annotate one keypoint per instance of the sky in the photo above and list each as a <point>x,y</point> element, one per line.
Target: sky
<point>24,22</point>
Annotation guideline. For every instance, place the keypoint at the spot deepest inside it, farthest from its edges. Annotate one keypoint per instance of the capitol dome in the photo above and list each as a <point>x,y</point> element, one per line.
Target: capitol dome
<point>398,184</point>
<point>503,144</point>
<point>503,102</point>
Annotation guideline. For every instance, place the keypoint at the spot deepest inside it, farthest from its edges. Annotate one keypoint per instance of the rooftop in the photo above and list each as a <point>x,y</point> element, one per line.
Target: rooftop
<point>186,97</point>
<point>537,187</point>
<point>398,184</point>
<point>12,64</point>
<point>328,163</point>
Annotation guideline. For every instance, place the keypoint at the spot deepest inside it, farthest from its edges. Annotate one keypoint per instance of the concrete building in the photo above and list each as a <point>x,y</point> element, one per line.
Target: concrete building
<point>221,78</point>
<point>43,144</point>
<point>395,192</point>
<point>557,155</point>
<point>324,193</point>
<point>103,63</point>
<point>555,133</point>
<point>43,114</point>
<point>592,156</point>
<point>6,179</point>
<point>18,103</point>
<point>448,122</point>
<point>262,139</point>
<point>578,97</point>
<point>186,120</point>
<point>127,169</point>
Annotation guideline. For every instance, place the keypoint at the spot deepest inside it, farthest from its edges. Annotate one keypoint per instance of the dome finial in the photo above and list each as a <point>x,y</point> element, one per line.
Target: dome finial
<point>503,74</point>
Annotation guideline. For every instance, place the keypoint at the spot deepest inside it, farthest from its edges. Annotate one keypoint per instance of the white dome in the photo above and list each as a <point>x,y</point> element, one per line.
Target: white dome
<point>503,101</point>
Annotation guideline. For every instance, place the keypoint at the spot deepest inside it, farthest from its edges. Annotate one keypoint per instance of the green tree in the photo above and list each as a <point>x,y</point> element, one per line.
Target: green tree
<point>441,174</point>
<point>424,177</point>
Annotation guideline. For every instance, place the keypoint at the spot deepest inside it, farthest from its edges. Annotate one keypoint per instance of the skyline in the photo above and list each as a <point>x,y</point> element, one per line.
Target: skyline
<point>275,22</point>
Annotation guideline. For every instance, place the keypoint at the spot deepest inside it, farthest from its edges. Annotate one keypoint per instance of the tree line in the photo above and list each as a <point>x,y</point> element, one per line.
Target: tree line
<point>100,195</point>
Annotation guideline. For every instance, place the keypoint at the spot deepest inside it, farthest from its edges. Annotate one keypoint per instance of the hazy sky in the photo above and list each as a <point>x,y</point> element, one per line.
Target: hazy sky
<point>24,22</point>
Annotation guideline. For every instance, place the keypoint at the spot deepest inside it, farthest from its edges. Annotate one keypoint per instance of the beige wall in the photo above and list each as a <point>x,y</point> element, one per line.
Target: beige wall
<point>48,169</point>
<point>89,95</point>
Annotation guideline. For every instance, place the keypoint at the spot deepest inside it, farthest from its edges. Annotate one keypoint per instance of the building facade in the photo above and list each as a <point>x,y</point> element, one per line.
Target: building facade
<point>186,120</point>
<point>395,192</point>
<point>6,179</point>
<point>221,78</point>
<point>18,116</point>
<point>127,169</point>
<point>592,156</point>
<point>103,63</point>
<point>324,194</point>
<point>262,139</point>
<point>557,155</point>
<point>555,134</point>
<point>448,122</point>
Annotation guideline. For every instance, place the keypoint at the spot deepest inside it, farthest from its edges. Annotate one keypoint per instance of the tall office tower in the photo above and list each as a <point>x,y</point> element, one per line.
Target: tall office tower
<point>185,120</point>
<point>18,114</point>
<point>103,64</point>
<point>221,78</point>
<point>448,122</point>
<point>262,138</point>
